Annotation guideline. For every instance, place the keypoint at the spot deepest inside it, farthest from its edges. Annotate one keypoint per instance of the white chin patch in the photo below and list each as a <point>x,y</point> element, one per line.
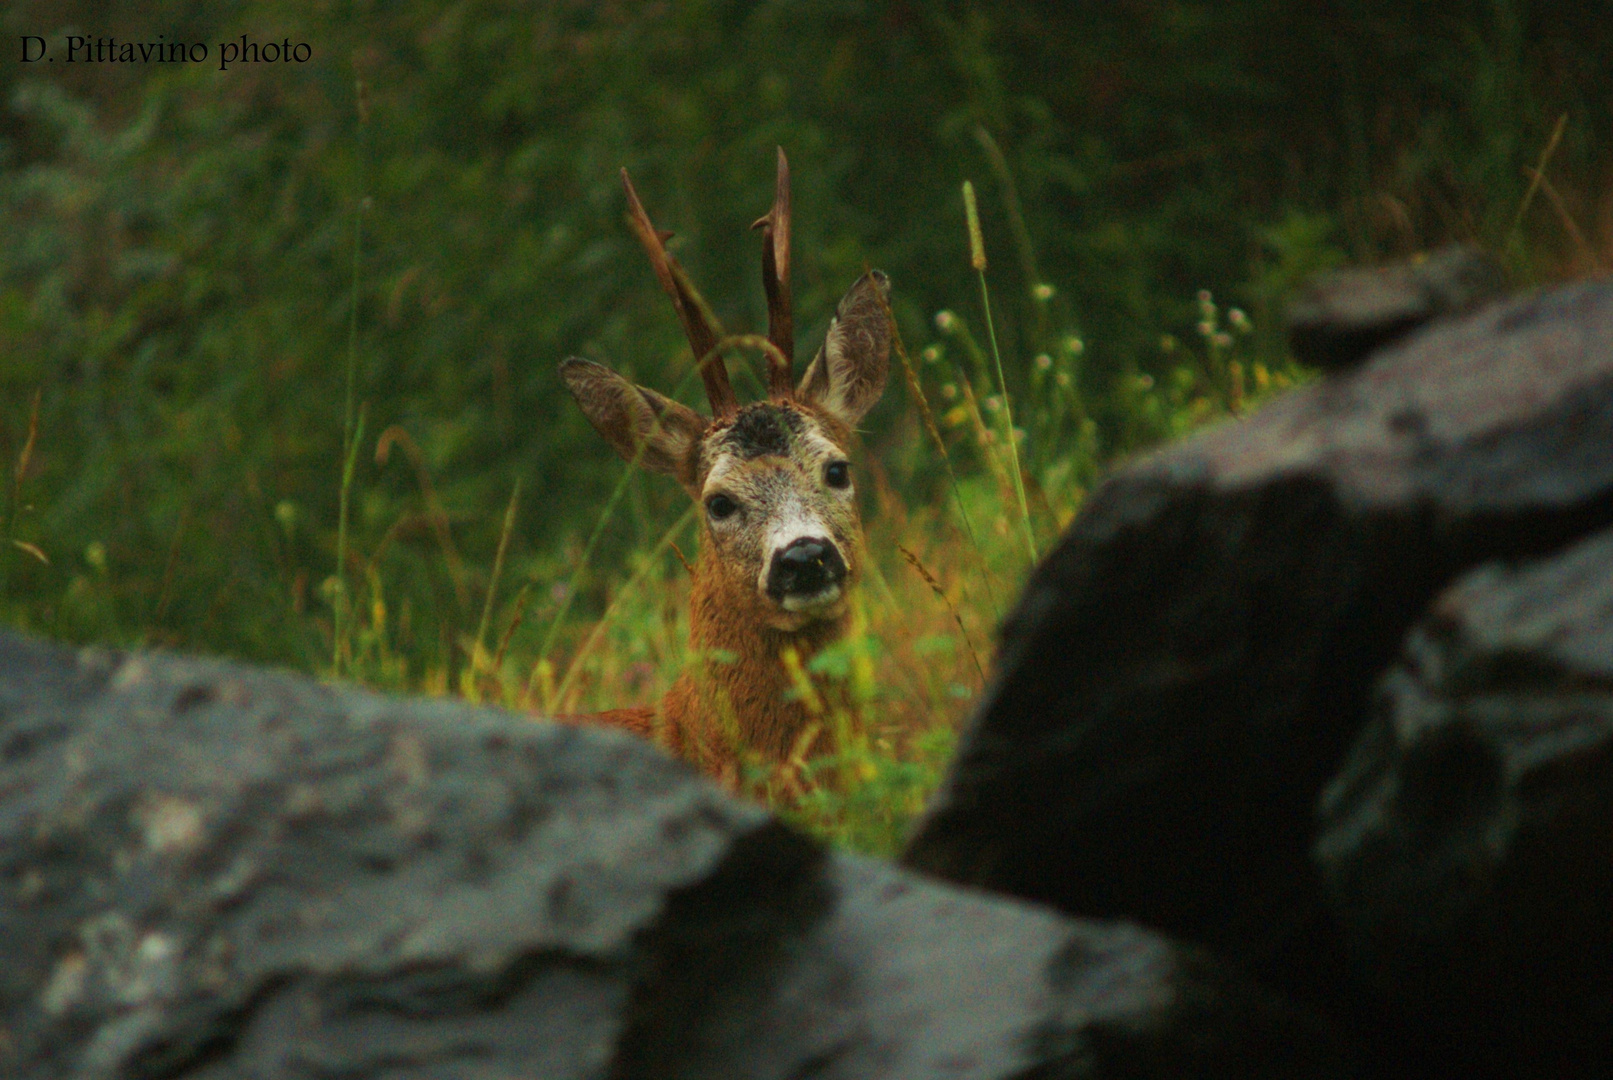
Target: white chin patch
<point>816,602</point>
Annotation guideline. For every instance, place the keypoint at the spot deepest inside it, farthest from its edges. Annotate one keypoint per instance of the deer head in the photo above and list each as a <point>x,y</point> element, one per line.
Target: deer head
<point>781,540</point>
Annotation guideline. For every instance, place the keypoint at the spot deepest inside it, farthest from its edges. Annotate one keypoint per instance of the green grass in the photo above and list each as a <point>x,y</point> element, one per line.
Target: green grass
<point>944,561</point>
<point>890,697</point>
<point>277,352</point>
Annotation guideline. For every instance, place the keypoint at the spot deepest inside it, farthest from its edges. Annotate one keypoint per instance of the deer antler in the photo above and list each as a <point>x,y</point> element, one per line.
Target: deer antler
<point>775,226</point>
<point>699,324</point>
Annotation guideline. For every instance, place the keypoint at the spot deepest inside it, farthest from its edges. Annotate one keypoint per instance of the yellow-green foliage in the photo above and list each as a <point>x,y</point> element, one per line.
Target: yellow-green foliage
<point>890,696</point>
<point>278,346</point>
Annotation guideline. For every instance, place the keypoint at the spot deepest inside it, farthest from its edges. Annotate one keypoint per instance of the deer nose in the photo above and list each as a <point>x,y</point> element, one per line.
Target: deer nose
<point>805,567</point>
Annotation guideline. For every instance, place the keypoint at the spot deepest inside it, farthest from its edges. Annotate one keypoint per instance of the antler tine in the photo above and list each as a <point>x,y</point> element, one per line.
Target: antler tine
<point>775,228</point>
<point>699,324</point>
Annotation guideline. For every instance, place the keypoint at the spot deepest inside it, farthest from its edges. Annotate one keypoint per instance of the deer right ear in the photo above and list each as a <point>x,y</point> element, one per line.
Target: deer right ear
<point>640,424</point>
<point>848,374</point>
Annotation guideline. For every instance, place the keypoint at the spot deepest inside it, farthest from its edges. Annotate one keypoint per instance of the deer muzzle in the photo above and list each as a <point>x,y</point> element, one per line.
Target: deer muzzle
<point>808,572</point>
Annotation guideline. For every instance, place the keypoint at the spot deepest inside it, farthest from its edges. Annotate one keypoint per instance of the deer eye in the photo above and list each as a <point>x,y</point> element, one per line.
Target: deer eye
<point>837,474</point>
<point>720,506</point>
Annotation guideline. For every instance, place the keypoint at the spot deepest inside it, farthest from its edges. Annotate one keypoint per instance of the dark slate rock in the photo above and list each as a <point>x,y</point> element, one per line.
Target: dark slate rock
<point>212,871</point>
<point>908,978</point>
<point>1468,843</point>
<point>1345,316</point>
<point>1189,666</point>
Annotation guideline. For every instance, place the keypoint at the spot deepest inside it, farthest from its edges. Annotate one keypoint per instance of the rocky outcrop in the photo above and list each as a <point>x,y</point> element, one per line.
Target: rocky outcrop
<point>1190,667</point>
<point>1465,845</point>
<point>1343,317</point>
<point>208,870</point>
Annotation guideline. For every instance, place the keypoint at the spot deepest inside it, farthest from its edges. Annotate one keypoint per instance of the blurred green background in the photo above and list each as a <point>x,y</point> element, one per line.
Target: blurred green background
<point>179,248</point>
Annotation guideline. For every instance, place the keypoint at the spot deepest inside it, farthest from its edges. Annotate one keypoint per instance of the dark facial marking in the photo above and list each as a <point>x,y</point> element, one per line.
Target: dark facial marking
<point>762,428</point>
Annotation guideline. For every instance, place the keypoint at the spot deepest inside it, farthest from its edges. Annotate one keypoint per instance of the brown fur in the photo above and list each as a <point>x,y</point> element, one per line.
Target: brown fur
<point>753,689</point>
<point>638,719</point>
<point>762,474</point>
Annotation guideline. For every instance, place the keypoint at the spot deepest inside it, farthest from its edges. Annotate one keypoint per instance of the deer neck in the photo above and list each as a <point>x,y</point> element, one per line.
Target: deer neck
<point>738,674</point>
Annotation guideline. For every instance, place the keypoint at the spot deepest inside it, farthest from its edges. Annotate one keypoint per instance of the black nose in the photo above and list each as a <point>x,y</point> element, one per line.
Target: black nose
<point>804,568</point>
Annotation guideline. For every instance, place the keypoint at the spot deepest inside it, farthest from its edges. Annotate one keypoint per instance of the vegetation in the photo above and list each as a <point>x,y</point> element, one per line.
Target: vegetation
<point>278,343</point>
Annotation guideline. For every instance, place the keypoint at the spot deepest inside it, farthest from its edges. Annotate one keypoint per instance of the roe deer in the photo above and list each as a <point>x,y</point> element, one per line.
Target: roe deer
<point>780,540</point>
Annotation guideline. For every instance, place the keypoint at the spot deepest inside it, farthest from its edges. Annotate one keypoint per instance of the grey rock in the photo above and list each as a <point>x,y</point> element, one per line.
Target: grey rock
<point>1187,669</point>
<point>1467,845</point>
<point>1343,317</point>
<point>909,978</point>
<point>213,871</point>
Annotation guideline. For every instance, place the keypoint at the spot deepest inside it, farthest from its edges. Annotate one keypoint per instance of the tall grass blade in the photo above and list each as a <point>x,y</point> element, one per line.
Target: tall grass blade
<point>8,524</point>
<point>935,587</point>
<point>341,597</point>
<point>668,540</point>
<point>479,653</point>
<point>977,256</point>
<point>519,607</point>
<point>32,550</point>
<point>352,424</point>
<point>916,388</point>
<point>1570,226</point>
<point>166,593</point>
<point>1538,175</point>
<point>436,516</point>
<point>1016,211</point>
<point>574,580</point>
<point>25,456</point>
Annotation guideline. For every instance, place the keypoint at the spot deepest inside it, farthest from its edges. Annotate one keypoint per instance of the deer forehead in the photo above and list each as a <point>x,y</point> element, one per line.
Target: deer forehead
<point>764,443</point>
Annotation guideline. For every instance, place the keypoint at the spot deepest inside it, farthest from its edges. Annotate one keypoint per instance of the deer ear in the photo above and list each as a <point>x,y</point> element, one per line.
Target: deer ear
<point>848,374</point>
<point>640,424</point>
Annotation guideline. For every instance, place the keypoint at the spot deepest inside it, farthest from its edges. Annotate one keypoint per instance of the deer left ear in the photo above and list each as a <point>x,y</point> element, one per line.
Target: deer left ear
<point>848,374</point>
<point>654,431</point>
